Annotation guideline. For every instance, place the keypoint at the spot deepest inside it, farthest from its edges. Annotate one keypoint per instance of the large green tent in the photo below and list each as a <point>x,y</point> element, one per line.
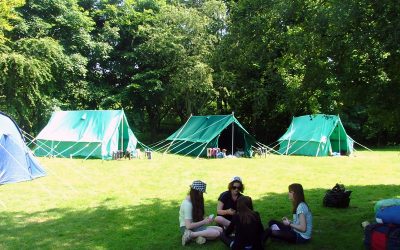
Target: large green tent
<point>212,131</point>
<point>86,133</point>
<point>316,135</point>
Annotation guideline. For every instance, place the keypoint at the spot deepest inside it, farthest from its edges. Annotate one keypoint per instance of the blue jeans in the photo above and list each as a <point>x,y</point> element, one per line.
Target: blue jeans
<point>197,229</point>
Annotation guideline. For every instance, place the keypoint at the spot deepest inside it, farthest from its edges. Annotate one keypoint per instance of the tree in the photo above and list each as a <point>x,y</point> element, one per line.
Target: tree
<point>31,78</point>
<point>8,13</point>
<point>174,73</point>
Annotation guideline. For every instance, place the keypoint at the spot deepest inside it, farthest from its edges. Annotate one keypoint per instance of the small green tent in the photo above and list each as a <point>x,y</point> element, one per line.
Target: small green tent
<point>316,135</point>
<point>86,133</point>
<point>213,131</point>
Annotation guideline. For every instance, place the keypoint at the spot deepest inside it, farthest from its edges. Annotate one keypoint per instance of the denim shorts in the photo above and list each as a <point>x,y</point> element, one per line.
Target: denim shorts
<point>197,229</point>
<point>300,239</point>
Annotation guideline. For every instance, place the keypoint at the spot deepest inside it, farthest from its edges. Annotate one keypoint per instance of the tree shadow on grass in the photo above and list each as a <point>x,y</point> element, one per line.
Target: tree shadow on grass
<point>154,224</point>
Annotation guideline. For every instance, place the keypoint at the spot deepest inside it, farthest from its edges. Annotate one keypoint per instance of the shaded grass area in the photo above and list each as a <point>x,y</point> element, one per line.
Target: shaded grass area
<point>134,204</point>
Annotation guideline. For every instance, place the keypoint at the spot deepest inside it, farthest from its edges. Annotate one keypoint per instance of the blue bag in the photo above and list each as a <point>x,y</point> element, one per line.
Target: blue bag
<point>388,215</point>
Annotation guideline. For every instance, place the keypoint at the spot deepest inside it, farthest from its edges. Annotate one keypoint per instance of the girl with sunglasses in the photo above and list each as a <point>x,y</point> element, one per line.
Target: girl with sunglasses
<point>226,206</point>
<point>296,231</point>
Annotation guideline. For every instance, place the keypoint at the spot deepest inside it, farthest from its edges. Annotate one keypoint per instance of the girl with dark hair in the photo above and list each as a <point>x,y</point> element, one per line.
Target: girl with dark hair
<point>296,231</point>
<point>226,206</point>
<point>191,217</point>
<point>247,226</point>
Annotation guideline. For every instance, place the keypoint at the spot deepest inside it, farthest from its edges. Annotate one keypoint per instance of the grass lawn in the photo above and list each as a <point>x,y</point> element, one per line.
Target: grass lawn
<point>134,204</point>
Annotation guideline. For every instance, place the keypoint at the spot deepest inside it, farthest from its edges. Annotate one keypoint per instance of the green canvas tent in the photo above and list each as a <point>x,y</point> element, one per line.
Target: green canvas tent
<point>86,133</point>
<point>213,131</point>
<point>316,135</point>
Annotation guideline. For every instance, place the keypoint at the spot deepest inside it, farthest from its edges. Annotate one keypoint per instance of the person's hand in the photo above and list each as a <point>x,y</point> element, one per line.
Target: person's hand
<point>231,211</point>
<point>208,220</point>
<point>285,221</point>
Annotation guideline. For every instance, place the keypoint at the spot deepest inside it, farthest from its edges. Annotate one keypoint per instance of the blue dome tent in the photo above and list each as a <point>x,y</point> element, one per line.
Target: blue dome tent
<point>17,163</point>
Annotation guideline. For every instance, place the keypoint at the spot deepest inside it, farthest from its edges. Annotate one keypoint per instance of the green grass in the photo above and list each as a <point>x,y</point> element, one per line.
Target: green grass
<point>134,204</point>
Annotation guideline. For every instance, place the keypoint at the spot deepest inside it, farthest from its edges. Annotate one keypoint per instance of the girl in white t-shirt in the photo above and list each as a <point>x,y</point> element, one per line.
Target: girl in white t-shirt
<point>192,222</point>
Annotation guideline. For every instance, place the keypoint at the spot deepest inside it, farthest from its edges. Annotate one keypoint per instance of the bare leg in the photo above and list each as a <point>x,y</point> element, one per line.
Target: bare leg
<point>211,233</point>
<point>222,221</point>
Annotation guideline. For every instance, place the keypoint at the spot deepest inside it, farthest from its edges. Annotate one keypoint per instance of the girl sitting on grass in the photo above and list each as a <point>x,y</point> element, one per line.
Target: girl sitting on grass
<point>226,207</point>
<point>296,231</point>
<point>247,226</point>
<point>191,217</point>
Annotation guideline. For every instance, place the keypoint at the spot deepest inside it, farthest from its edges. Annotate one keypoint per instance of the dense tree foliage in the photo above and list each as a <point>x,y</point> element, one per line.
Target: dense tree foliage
<point>162,60</point>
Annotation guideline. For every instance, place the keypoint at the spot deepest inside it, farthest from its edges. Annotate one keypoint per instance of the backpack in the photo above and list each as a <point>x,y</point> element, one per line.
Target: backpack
<point>382,237</point>
<point>338,197</point>
<point>388,215</point>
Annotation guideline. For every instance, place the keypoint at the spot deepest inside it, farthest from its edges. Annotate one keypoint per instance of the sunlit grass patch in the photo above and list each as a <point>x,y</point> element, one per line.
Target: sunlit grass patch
<point>133,204</point>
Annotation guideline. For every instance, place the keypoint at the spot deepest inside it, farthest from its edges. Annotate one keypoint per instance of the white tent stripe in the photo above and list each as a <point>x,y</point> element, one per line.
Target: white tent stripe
<point>60,153</point>
<point>179,143</point>
<point>361,145</point>
<point>205,145</point>
<point>178,134</point>
<point>286,148</point>
<point>197,148</point>
<point>81,149</point>
<point>93,151</point>
<point>155,144</point>
<point>39,146</point>
<point>189,146</point>
<point>268,148</point>
<point>80,173</point>
<point>162,147</point>
<point>62,180</point>
<point>300,148</point>
<point>24,169</point>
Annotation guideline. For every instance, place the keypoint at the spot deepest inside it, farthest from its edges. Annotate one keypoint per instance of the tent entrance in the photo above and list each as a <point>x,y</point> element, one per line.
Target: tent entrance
<point>338,141</point>
<point>225,139</point>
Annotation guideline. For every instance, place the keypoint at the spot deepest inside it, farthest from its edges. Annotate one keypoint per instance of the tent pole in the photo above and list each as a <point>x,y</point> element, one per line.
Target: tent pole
<point>339,138</point>
<point>320,140</point>
<point>233,127</point>
<point>288,145</point>
<point>122,134</point>
<point>318,149</point>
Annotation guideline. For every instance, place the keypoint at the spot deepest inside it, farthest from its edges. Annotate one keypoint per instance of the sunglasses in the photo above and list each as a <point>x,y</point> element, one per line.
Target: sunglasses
<point>235,187</point>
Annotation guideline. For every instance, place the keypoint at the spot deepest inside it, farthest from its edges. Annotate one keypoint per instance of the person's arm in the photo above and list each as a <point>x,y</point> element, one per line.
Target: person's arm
<point>302,226</point>
<point>221,211</point>
<point>188,217</point>
<point>189,224</point>
<point>220,205</point>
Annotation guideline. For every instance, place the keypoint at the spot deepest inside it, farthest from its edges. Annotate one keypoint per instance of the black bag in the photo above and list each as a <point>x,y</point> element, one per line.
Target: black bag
<point>382,237</point>
<point>337,197</point>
